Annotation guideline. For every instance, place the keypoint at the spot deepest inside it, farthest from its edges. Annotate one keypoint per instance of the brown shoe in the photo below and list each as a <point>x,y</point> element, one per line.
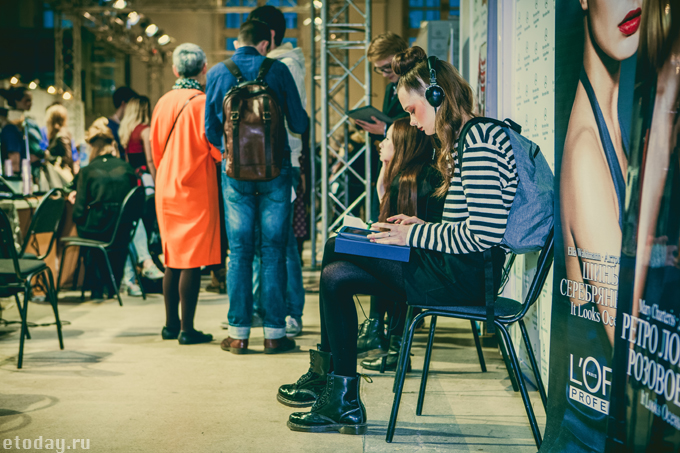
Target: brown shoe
<point>235,346</point>
<point>275,346</point>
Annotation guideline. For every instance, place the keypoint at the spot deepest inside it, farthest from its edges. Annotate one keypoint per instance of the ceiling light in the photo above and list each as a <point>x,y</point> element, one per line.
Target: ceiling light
<point>32,85</point>
<point>151,30</point>
<point>317,4</point>
<point>119,21</point>
<point>51,90</point>
<point>87,15</point>
<point>120,4</point>
<point>133,19</point>
<point>318,21</point>
<point>67,95</point>
<point>140,39</point>
<point>14,80</point>
<point>307,21</point>
<point>163,40</point>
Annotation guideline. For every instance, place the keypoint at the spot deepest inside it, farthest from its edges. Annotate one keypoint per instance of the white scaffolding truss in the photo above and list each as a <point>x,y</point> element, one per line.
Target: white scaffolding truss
<point>344,26</point>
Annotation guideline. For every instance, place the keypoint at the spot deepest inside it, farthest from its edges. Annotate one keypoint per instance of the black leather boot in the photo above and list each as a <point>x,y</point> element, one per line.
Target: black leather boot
<point>371,338</point>
<point>310,386</point>
<point>338,409</point>
<point>374,364</point>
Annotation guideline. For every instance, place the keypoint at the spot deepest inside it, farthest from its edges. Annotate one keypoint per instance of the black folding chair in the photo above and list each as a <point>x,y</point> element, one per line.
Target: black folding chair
<point>15,277</point>
<point>475,331</point>
<point>123,232</point>
<point>45,219</point>
<point>506,312</point>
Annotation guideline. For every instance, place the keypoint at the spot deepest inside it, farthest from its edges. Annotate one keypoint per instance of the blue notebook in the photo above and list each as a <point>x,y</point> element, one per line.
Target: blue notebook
<point>354,242</point>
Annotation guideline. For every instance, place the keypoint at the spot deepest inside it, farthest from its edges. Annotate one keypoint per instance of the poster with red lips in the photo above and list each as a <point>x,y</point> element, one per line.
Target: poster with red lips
<point>596,42</point>
<point>644,412</point>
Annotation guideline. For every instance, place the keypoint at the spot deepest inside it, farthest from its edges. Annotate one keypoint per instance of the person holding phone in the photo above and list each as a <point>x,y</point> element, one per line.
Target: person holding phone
<point>446,266</point>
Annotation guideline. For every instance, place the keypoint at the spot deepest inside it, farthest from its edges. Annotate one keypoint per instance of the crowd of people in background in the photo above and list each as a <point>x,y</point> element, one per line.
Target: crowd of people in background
<point>177,154</point>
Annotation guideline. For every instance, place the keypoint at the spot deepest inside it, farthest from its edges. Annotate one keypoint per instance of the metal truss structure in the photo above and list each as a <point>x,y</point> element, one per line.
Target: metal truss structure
<point>341,181</point>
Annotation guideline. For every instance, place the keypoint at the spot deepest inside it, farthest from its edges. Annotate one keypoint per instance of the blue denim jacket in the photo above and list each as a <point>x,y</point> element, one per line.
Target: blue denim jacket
<point>279,79</point>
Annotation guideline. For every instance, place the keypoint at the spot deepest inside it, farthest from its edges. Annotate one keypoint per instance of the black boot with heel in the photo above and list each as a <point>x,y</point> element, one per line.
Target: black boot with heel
<point>371,338</point>
<point>338,409</point>
<point>375,364</point>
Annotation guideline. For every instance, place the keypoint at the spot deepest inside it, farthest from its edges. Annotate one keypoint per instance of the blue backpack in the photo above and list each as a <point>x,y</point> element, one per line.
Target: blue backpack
<point>531,215</point>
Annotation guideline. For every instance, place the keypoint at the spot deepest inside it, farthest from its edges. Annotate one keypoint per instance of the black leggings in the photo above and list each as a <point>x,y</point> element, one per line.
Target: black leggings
<point>181,285</point>
<point>343,276</point>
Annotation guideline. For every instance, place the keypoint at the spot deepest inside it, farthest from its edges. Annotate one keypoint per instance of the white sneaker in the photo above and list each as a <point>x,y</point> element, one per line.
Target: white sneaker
<point>293,326</point>
<point>134,290</point>
<point>152,273</point>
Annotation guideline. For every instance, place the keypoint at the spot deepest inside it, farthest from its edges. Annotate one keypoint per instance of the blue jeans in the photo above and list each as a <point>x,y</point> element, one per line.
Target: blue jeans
<point>140,242</point>
<point>246,205</point>
<point>295,291</point>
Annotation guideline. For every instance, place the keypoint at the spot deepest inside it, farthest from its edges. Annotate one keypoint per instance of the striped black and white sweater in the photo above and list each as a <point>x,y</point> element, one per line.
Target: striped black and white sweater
<point>479,198</point>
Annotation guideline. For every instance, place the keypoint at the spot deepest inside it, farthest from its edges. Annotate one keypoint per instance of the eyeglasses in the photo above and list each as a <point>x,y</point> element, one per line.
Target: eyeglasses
<point>387,69</point>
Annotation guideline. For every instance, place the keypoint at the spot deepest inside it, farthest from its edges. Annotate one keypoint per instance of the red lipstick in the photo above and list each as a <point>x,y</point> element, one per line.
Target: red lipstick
<point>630,24</point>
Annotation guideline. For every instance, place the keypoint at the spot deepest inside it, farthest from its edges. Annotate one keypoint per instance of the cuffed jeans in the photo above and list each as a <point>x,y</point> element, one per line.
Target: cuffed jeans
<point>295,291</point>
<point>267,204</point>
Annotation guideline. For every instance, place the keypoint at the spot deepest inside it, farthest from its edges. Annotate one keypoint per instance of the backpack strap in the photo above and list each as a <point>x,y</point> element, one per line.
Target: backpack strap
<point>235,120</point>
<point>264,69</point>
<point>236,72</point>
<point>175,123</point>
<point>267,120</point>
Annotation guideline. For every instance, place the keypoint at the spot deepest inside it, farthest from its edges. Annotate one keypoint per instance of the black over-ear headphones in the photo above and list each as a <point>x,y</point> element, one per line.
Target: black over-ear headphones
<point>434,93</point>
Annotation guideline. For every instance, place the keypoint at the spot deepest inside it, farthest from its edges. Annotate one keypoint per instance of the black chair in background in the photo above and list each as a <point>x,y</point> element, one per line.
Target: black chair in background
<point>16,276</point>
<point>506,312</point>
<point>45,219</point>
<point>123,233</point>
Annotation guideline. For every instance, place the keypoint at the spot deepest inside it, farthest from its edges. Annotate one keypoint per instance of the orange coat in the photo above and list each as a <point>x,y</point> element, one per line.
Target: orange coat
<point>186,182</point>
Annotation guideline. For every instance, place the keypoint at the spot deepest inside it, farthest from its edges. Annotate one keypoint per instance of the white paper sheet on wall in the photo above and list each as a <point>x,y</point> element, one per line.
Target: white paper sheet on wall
<point>533,98</point>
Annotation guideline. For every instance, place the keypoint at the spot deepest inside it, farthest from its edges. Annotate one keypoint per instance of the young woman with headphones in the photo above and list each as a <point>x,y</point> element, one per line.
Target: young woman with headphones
<point>446,265</point>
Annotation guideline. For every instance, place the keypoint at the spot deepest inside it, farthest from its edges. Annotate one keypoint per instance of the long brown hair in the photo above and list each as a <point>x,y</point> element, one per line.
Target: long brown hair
<point>459,102</point>
<point>412,152</point>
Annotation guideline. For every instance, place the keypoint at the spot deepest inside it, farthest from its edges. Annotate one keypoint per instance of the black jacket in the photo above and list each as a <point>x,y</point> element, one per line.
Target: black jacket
<point>102,187</point>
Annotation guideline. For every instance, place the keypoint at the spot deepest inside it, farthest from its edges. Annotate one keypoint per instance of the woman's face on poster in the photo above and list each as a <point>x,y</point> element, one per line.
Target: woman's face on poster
<point>614,26</point>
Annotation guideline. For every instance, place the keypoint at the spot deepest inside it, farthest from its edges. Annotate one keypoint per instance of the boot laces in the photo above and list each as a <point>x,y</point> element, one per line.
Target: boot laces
<point>323,399</point>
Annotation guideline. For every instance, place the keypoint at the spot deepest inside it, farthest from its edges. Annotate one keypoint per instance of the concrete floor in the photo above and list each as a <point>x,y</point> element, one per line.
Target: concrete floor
<point>119,385</point>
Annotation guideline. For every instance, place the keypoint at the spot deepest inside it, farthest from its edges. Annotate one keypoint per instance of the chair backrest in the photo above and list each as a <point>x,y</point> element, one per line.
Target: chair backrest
<point>46,219</point>
<point>7,248</point>
<point>545,261</point>
<point>128,218</point>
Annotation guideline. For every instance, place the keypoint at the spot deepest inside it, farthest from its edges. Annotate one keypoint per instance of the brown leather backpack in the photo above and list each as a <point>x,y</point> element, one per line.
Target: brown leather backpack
<point>254,130</point>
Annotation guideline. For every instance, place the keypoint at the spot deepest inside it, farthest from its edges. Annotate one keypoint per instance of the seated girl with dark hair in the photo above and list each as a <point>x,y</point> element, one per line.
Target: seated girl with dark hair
<point>407,183</point>
<point>446,266</point>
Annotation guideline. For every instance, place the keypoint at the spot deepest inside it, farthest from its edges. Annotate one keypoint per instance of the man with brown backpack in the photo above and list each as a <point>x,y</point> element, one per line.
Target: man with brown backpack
<point>248,97</point>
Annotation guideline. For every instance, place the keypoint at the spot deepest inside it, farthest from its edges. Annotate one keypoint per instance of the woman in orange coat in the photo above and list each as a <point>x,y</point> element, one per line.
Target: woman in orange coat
<point>186,203</point>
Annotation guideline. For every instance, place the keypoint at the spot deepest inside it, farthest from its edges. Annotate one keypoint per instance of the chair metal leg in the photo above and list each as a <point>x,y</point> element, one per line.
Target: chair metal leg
<point>478,345</point>
<point>504,352</point>
<point>401,371</point>
<point>53,301</point>
<point>404,351</point>
<point>24,326</point>
<point>426,367</point>
<point>21,315</point>
<point>133,258</point>
<point>522,387</point>
<point>113,279</point>
<point>61,269</point>
<point>534,365</point>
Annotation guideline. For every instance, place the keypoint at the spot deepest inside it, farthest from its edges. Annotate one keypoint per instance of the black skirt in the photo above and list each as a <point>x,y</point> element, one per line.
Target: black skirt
<point>442,279</point>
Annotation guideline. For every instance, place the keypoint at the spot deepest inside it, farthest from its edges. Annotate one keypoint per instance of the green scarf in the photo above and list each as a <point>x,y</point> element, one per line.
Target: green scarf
<point>184,83</point>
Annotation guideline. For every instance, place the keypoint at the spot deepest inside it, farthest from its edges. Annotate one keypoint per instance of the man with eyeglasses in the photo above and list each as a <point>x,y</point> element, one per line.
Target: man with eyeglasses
<point>380,52</point>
